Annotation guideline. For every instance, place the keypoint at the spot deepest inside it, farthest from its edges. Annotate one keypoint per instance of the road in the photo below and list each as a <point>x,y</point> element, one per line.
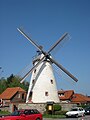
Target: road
<point>87,117</point>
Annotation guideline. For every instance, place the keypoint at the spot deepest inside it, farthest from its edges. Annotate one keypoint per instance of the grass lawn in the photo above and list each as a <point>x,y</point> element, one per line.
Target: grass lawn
<point>53,116</point>
<point>44,115</point>
<point>4,113</point>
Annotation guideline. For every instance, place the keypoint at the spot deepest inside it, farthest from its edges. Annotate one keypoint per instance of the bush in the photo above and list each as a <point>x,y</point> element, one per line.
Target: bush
<point>83,106</point>
<point>57,107</point>
<point>55,110</point>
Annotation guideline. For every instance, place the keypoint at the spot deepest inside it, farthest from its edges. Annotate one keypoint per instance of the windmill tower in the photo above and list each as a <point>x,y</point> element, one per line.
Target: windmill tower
<point>42,86</point>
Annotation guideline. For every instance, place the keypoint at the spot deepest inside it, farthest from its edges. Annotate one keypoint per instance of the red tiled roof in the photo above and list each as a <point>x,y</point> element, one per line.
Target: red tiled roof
<point>80,98</point>
<point>73,97</point>
<point>67,94</point>
<point>10,92</point>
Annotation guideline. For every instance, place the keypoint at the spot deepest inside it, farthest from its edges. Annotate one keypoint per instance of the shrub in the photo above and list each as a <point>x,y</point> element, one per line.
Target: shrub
<point>83,106</point>
<point>57,107</point>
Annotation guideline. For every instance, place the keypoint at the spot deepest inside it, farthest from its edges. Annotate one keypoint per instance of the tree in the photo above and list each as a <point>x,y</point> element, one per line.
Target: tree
<point>3,84</point>
<point>12,81</point>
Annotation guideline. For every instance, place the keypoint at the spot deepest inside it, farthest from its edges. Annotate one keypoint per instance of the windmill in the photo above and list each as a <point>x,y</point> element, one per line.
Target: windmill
<point>42,86</point>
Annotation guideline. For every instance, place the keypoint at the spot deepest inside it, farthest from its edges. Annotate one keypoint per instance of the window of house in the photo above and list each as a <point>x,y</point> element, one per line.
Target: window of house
<point>18,95</point>
<point>23,96</point>
<point>61,94</point>
<point>74,96</point>
<point>46,93</point>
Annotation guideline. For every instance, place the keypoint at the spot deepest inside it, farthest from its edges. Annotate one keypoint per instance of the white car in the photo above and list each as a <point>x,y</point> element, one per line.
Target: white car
<point>75,112</point>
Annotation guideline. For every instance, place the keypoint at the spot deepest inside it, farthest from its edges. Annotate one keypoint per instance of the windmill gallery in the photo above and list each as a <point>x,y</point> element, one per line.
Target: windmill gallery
<point>42,86</point>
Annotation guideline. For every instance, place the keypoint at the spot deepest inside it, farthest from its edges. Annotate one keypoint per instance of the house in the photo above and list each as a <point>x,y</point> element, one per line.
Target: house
<point>80,99</point>
<point>13,95</point>
<point>69,96</point>
<point>65,96</point>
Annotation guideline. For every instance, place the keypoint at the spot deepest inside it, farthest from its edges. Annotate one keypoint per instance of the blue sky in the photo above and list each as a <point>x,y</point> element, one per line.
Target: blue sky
<point>45,21</point>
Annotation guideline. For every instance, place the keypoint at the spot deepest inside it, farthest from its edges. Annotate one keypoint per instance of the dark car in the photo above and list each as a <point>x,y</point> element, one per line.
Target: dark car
<point>26,114</point>
<point>87,110</point>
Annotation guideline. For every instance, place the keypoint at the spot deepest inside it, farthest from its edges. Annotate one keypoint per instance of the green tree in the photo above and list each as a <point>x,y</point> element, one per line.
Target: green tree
<point>12,81</point>
<point>3,84</point>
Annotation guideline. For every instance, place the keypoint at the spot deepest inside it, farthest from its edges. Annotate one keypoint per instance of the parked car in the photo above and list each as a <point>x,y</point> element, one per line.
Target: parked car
<point>75,112</point>
<point>87,110</point>
<point>26,114</point>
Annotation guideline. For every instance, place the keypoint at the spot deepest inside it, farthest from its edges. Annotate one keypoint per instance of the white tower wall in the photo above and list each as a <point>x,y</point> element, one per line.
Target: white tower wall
<point>43,84</point>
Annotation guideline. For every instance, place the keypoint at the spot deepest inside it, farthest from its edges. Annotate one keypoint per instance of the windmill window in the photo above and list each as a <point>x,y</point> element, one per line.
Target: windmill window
<point>46,93</point>
<point>33,81</point>
<point>31,94</point>
<point>51,81</point>
<point>35,71</point>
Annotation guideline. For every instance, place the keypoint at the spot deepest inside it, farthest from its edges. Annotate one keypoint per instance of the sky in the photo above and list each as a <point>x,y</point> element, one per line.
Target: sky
<point>45,21</point>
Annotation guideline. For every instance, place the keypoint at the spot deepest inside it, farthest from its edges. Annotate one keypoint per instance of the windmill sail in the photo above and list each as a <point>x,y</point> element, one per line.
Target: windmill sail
<point>43,85</point>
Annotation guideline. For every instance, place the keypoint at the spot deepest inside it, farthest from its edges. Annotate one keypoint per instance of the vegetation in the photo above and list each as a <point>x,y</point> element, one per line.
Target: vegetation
<point>12,81</point>
<point>53,116</point>
<point>4,112</point>
<point>57,107</point>
<point>56,112</point>
<point>84,105</point>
